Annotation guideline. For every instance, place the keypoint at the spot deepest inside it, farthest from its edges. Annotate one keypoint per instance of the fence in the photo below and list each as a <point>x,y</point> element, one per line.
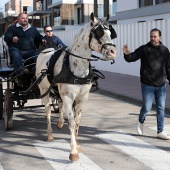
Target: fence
<point>134,35</point>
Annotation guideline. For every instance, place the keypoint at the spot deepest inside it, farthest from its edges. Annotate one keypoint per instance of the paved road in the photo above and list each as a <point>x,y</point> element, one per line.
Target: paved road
<point>107,137</point>
<point>126,87</point>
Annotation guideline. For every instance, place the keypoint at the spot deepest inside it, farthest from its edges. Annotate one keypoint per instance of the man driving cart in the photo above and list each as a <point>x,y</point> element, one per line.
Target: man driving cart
<point>22,40</point>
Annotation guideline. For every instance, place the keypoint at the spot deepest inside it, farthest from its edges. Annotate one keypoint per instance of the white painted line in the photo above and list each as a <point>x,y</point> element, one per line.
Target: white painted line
<point>166,129</point>
<point>57,154</point>
<point>144,152</point>
<point>1,168</point>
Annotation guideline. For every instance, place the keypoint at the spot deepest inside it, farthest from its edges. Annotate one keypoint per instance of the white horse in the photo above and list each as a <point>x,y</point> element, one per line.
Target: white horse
<point>95,36</point>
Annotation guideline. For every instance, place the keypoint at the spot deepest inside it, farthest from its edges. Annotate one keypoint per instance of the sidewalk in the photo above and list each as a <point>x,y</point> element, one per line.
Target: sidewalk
<point>125,87</point>
<point>121,86</point>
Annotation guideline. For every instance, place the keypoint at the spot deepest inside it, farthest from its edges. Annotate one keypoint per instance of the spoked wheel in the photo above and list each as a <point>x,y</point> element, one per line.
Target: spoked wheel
<point>55,104</point>
<point>1,100</point>
<point>8,109</point>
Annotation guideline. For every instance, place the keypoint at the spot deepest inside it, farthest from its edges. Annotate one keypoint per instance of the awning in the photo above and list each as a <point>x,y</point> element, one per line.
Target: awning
<point>7,19</point>
<point>39,13</point>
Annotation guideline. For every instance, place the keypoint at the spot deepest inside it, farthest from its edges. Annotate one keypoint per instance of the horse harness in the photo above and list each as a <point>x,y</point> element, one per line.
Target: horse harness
<point>65,75</point>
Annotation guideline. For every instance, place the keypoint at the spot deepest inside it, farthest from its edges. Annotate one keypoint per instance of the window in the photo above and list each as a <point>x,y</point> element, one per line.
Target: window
<point>143,3</point>
<point>100,8</point>
<point>79,15</point>
<point>38,5</point>
<point>24,9</point>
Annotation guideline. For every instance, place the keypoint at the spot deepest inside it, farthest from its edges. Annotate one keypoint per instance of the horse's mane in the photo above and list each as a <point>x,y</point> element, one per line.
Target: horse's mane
<point>77,36</point>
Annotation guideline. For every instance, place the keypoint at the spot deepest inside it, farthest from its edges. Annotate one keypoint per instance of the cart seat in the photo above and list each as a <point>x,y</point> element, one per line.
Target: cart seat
<point>6,71</point>
<point>6,53</point>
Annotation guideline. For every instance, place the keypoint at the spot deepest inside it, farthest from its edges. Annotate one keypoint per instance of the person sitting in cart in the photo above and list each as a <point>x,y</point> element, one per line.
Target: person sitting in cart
<point>52,40</point>
<point>22,40</point>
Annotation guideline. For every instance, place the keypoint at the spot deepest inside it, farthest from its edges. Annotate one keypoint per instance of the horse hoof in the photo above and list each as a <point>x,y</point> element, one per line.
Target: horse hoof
<point>78,148</point>
<point>74,157</point>
<point>49,139</point>
<point>59,125</point>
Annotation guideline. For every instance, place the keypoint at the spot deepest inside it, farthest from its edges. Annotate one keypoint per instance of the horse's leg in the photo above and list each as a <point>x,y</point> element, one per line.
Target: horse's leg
<point>48,114</point>
<point>80,102</point>
<point>67,108</point>
<point>61,118</point>
<point>78,109</point>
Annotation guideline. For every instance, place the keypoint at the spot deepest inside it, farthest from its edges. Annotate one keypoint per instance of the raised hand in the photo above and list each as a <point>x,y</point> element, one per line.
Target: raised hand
<point>126,49</point>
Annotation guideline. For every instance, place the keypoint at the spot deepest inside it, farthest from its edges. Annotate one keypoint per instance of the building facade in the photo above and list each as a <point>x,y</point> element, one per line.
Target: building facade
<point>132,20</point>
<point>63,13</point>
<point>131,11</point>
<point>12,9</point>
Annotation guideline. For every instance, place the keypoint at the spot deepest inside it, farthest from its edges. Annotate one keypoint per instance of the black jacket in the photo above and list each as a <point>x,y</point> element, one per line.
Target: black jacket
<point>28,39</point>
<point>155,63</point>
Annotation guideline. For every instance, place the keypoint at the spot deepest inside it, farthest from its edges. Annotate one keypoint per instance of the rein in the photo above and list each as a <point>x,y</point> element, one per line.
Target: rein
<point>96,57</point>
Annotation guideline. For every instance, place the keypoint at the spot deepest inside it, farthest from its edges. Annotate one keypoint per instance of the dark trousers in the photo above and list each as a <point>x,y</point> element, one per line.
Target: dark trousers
<point>18,56</point>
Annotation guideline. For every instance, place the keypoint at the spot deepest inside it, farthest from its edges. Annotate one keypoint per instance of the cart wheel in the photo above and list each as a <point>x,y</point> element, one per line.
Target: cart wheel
<point>1,100</point>
<point>55,106</point>
<point>8,109</point>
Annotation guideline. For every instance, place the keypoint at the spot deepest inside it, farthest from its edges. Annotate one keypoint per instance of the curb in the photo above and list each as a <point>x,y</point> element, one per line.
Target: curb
<point>128,99</point>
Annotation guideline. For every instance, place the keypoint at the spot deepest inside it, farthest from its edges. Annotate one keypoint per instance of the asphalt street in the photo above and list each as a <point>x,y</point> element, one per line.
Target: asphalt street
<point>107,137</point>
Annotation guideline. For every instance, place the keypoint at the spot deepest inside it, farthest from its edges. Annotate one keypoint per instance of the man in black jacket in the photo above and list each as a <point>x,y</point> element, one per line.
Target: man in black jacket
<point>21,39</point>
<point>155,69</point>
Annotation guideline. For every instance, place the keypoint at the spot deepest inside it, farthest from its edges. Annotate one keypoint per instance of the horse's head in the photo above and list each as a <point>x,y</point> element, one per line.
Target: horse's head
<point>100,37</point>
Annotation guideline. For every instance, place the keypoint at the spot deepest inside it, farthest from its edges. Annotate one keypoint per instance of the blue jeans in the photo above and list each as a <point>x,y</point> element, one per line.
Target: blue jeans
<point>17,57</point>
<point>148,93</point>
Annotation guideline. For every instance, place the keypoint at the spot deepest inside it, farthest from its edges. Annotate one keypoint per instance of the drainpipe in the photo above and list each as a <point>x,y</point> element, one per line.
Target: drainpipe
<point>20,5</point>
<point>106,8</point>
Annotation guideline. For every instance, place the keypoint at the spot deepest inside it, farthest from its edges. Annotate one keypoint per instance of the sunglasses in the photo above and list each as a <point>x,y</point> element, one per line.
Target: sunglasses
<point>49,31</point>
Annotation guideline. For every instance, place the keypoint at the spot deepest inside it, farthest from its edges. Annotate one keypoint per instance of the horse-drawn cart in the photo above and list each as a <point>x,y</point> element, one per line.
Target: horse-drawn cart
<point>70,71</point>
<point>14,95</point>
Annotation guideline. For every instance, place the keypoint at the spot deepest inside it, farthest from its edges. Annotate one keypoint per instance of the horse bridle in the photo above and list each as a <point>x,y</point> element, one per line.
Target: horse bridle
<point>97,32</point>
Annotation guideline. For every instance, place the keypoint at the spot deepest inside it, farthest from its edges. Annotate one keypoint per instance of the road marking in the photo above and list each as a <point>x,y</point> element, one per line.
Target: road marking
<point>57,154</point>
<point>166,129</point>
<point>1,167</point>
<point>144,152</point>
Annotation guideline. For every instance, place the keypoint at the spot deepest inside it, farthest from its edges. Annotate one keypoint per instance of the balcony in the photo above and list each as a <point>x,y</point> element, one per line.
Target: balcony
<point>59,2</point>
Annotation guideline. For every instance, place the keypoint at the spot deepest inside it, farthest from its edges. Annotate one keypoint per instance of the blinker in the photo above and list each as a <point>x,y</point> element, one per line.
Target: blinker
<point>98,32</point>
<point>113,32</point>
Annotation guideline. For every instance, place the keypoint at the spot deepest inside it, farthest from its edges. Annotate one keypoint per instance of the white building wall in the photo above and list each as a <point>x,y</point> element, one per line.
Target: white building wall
<point>148,18</point>
<point>134,34</point>
<point>124,5</point>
